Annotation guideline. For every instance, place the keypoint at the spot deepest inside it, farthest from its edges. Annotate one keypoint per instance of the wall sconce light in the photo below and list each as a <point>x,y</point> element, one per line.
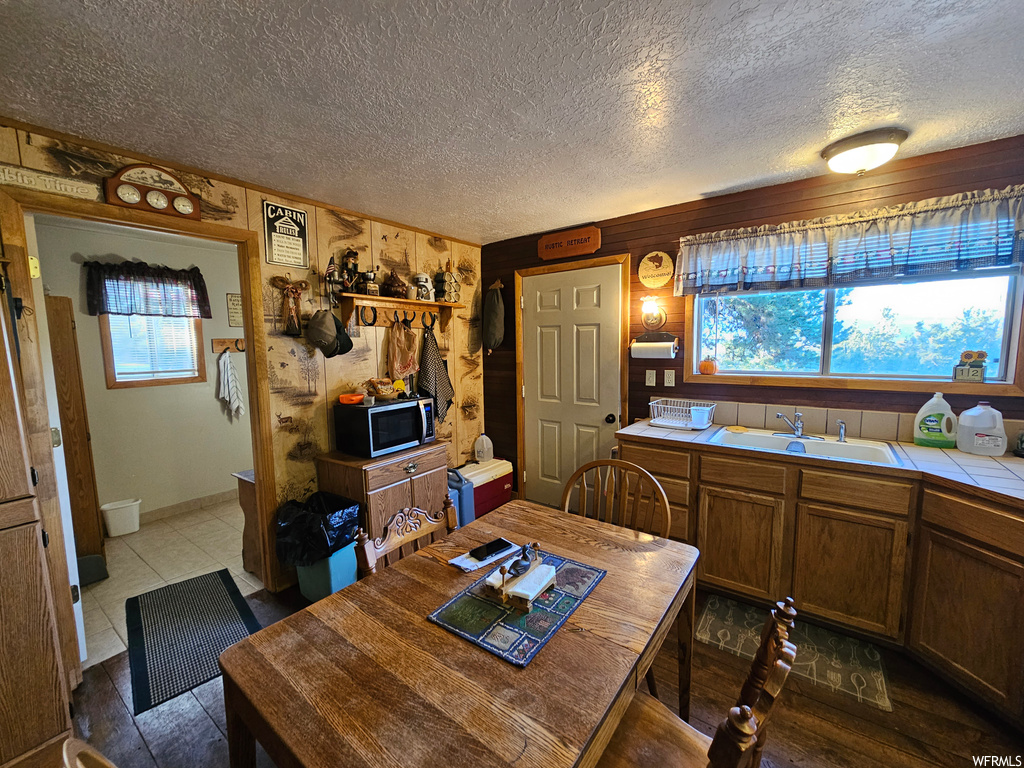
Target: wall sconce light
<point>651,315</point>
<point>653,344</point>
<point>859,154</point>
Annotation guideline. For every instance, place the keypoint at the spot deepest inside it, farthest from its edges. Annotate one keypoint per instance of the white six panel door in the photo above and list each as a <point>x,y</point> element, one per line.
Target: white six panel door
<point>571,367</point>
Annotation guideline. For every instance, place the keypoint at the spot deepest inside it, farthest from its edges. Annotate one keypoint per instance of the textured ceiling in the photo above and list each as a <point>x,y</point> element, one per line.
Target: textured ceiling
<point>497,118</point>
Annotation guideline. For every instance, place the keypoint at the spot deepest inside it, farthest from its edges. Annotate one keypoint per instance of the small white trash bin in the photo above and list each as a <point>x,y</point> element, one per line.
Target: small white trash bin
<point>121,517</point>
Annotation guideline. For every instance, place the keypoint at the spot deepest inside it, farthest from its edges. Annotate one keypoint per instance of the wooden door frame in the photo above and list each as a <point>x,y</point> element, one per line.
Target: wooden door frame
<point>250,279</point>
<point>622,260</point>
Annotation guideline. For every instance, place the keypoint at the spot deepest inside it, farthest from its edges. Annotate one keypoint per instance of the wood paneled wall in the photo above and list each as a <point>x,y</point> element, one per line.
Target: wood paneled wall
<point>303,385</point>
<point>995,164</point>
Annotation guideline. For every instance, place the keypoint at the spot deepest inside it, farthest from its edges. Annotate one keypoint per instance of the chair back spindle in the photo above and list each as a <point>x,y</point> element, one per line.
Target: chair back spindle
<point>620,493</point>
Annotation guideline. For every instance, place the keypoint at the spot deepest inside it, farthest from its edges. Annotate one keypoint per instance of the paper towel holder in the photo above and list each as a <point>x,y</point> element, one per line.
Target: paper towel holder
<point>656,337</point>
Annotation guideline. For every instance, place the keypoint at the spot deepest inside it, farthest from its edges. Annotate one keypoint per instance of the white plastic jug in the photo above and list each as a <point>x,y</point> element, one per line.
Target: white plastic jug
<point>981,431</point>
<point>935,424</point>
<point>483,448</point>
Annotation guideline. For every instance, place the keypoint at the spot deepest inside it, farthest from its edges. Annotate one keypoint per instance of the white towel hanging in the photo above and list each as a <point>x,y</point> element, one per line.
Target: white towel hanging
<point>230,392</point>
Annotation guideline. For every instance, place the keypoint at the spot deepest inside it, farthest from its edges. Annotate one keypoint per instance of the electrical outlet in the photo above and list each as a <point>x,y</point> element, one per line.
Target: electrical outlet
<point>652,378</point>
<point>670,377</point>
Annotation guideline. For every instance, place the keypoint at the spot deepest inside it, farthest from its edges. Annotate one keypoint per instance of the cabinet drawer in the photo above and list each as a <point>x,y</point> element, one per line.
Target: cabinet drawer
<point>872,493</point>
<point>405,467</point>
<point>18,512</point>
<point>974,519</point>
<point>753,475</point>
<point>678,491</point>
<point>657,461</point>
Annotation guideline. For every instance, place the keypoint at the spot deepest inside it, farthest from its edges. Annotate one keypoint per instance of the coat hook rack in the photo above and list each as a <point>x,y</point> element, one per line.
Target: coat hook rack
<point>227,345</point>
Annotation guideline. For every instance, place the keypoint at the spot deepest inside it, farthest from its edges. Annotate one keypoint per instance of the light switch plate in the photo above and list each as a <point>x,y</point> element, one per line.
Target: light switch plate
<point>652,378</point>
<point>670,377</point>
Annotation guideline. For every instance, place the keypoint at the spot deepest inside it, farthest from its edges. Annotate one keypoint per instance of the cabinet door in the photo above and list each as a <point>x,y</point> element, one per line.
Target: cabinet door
<point>14,456</point>
<point>967,617</point>
<point>31,673</point>
<point>383,503</point>
<point>429,489</point>
<point>849,566</point>
<point>739,535</point>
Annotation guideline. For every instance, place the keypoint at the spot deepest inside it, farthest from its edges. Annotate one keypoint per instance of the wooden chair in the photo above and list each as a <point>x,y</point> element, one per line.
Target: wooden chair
<point>78,754</point>
<point>650,734</point>
<point>621,493</point>
<point>616,496</point>
<point>406,532</point>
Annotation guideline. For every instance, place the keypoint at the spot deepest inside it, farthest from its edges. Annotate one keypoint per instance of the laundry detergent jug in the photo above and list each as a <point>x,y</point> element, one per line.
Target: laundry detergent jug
<point>935,425</point>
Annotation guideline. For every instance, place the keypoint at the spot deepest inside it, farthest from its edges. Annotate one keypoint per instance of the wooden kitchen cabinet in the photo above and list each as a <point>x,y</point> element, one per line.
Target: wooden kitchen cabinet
<point>850,566</point>
<point>671,469</point>
<point>33,675</point>
<point>383,486</point>
<point>740,538</point>
<point>14,455</point>
<point>968,605</point>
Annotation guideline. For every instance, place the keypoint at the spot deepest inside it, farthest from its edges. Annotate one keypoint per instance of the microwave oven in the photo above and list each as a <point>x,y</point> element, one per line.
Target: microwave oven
<point>384,427</point>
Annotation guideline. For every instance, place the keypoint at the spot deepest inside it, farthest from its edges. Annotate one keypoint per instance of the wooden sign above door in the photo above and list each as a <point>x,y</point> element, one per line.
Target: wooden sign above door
<point>569,242</point>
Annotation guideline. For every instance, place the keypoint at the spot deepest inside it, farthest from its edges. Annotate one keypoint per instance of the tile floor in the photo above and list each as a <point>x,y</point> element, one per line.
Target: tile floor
<point>160,553</point>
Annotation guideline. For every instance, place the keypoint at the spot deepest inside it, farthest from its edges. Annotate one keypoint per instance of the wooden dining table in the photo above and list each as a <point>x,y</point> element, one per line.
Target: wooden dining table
<point>362,678</point>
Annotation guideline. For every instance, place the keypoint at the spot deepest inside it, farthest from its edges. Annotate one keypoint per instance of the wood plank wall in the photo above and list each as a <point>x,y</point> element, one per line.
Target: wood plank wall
<point>994,164</point>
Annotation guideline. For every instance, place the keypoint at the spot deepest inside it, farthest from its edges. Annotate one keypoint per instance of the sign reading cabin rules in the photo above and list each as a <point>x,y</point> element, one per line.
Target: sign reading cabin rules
<point>571,242</point>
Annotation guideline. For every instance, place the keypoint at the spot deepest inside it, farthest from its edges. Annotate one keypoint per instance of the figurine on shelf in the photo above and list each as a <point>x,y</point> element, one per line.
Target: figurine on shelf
<point>349,274</point>
<point>394,286</point>
<point>424,290</point>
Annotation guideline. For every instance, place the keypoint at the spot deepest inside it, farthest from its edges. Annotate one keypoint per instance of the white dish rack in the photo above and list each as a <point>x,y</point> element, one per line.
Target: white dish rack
<point>678,414</point>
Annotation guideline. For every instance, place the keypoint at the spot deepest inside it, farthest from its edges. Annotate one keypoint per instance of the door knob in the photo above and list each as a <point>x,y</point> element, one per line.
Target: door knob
<point>610,418</point>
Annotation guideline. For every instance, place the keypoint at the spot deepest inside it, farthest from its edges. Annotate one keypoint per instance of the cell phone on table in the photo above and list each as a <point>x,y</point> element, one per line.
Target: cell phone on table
<point>492,548</point>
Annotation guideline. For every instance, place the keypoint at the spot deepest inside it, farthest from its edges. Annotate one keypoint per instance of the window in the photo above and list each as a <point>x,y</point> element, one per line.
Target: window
<point>899,330</point>
<point>146,351</point>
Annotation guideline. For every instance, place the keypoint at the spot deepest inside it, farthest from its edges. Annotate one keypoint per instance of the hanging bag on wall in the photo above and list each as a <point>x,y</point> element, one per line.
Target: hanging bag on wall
<point>494,318</point>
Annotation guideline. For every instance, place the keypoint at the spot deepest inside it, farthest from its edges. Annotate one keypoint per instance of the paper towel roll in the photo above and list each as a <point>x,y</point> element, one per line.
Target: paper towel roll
<point>662,350</point>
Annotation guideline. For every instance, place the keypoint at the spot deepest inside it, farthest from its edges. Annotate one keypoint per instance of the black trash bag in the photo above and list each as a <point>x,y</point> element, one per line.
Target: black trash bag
<point>310,531</point>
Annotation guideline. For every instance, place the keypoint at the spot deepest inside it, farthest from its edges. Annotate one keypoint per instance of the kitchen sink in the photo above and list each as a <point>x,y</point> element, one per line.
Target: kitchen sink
<point>852,450</point>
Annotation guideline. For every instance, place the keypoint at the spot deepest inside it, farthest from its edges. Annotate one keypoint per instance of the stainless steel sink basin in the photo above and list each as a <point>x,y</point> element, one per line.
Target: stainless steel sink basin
<point>852,450</point>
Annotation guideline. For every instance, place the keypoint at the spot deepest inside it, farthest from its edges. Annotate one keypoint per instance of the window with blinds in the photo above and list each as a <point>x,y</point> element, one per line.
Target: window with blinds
<point>153,347</point>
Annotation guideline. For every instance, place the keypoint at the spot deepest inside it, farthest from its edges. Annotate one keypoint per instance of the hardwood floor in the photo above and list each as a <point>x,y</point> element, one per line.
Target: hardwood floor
<point>930,725</point>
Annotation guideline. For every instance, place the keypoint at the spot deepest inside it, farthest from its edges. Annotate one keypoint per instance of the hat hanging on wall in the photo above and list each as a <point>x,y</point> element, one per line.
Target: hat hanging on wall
<point>325,332</point>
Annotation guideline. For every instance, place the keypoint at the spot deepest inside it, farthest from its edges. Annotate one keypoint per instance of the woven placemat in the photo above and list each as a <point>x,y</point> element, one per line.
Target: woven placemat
<point>511,634</point>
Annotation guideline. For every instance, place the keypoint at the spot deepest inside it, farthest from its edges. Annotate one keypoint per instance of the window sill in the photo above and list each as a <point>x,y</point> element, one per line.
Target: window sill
<point>826,382</point>
<point>155,382</point>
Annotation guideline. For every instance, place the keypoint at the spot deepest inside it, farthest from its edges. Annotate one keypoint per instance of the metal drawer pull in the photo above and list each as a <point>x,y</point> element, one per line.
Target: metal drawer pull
<point>410,468</point>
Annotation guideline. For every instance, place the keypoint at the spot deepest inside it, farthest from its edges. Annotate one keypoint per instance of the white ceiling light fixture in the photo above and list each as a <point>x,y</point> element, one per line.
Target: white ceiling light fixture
<point>860,153</point>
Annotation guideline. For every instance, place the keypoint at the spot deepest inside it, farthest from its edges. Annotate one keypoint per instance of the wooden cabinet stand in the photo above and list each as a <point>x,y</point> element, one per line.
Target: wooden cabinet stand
<point>417,477</point>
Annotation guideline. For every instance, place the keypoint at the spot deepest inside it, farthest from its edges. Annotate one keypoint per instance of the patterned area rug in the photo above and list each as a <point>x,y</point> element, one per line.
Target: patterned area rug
<point>823,657</point>
<point>511,634</point>
<point>177,633</point>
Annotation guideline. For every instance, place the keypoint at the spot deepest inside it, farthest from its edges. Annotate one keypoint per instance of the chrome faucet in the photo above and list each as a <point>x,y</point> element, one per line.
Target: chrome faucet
<point>842,430</point>
<point>797,427</point>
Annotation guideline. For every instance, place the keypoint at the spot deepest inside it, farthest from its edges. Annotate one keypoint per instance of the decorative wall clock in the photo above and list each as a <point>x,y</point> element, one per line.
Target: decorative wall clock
<point>148,188</point>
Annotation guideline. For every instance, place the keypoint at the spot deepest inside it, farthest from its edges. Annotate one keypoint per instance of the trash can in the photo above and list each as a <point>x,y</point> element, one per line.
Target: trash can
<point>121,517</point>
<point>327,576</point>
<point>460,490</point>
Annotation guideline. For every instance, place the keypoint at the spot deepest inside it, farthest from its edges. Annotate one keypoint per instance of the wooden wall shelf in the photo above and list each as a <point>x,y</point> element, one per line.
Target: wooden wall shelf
<point>347,303</point>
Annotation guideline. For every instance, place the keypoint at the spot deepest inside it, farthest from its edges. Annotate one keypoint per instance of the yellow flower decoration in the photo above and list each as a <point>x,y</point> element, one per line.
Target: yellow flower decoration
<point>981,355</point>
<point>966,356</point>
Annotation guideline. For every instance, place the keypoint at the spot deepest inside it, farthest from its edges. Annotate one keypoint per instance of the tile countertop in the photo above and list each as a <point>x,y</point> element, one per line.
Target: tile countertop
<point>1003,475</point>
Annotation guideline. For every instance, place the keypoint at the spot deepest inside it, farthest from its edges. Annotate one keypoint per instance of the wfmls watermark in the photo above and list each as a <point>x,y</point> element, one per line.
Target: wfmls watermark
<point>997,761</point>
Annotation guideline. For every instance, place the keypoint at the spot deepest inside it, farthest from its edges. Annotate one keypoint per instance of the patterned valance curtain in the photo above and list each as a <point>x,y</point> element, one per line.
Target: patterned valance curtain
<point>137,288</point>
<point>941,236</point>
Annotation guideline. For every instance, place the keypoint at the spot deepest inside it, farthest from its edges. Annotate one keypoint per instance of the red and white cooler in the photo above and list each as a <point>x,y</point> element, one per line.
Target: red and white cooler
<point>492,484</point>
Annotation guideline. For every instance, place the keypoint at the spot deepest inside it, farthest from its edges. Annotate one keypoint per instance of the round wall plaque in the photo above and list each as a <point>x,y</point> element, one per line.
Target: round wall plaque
<point>655,269</point>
